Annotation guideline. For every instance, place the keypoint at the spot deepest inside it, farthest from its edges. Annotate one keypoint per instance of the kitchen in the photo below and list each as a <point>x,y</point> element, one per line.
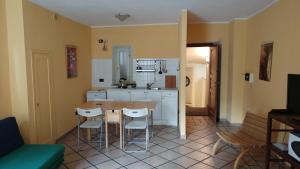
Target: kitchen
<point>124,78</point>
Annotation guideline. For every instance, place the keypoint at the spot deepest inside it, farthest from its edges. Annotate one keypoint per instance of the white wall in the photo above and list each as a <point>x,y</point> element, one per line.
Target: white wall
<point>196,92</point>
<point>102,68</point>
<point>197,70</point>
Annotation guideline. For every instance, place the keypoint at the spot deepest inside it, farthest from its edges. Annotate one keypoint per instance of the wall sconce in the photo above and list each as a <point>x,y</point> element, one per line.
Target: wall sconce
<point>104,48</point>
<point>122,16</point>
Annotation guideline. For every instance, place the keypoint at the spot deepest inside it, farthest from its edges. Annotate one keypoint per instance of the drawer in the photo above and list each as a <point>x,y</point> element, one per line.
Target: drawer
<point>170,94</point>
<point>95,95</point>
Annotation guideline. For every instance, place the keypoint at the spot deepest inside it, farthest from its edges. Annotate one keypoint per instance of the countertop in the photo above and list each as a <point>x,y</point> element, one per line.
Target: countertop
<point>137,88</point>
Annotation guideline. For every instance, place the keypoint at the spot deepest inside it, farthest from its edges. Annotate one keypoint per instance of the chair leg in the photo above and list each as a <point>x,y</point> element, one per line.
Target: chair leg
<point>123,142</point>
<point>147,138</point>
<point>78,136</point>
<point>100,139</point>
<point>214,150</point>
<point>121,139</point>
<point>116,126</point>
<point>239,157</point>
<point>106,135</point>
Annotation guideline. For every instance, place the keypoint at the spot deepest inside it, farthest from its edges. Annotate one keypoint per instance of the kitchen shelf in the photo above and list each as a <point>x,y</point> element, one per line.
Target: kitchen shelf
<point>145,65</point>
<point>145,70</point>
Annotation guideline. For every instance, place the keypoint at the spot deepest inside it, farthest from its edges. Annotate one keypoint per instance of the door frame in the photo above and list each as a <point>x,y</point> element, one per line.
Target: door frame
<point>219,47</point>
<point>51,93</point>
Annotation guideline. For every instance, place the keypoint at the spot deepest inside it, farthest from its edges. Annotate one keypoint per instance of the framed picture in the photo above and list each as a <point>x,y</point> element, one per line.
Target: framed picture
<point>71,54</point>
<point>265,64</point>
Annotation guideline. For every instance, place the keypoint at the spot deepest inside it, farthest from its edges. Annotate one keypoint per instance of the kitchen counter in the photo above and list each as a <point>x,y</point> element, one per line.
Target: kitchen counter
<point>166,111</point>
<point>143,88</point>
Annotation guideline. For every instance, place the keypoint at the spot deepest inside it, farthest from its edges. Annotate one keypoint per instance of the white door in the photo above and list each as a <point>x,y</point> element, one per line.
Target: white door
<point>138,95</point>
<point>119,95</point>
<point>44,120</point>
<point>156,96</point>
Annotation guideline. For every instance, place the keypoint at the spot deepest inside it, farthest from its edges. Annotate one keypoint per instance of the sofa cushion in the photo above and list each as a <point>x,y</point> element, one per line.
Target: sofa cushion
<point>10,137</point>
<point>34,156</point>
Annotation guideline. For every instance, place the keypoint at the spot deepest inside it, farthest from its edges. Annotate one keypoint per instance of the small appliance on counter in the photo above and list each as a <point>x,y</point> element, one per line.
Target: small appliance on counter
<point>124,84</point>
<point>294,146</point>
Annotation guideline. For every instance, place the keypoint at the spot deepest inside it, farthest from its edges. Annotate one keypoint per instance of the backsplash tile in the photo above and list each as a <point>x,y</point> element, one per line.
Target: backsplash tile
<point>102,68</point>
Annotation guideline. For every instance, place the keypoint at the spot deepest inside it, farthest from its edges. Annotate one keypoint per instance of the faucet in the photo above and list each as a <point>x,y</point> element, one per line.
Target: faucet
<point>149,85</point>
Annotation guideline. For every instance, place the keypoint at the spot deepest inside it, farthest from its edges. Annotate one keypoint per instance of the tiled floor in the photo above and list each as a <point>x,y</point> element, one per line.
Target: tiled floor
<point>167,151</point>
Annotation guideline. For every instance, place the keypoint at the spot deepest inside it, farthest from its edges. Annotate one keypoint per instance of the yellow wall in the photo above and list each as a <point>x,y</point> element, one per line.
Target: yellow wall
<point>279,23</point>
<point>44,33</point>
<point>146,41</point>
<point>17,66</point>
<point>203,33</point>
<point>5,103</point>
<point>237,55</point>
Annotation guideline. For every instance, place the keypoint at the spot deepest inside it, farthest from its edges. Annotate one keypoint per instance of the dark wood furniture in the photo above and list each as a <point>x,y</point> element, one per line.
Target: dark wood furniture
<point>293,121</point>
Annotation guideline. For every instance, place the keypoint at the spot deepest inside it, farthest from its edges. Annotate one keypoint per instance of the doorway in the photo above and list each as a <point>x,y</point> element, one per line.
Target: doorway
<point>203,80</point>
<point>44,119</point>
<point>122,64</point>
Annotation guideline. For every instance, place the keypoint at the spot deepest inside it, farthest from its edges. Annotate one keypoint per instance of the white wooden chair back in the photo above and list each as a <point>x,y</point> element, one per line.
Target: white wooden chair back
<point>135,112</point>
<point>89,112</point>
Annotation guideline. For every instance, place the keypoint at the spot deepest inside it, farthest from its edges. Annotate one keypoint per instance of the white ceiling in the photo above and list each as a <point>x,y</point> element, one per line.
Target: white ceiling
<point>102,12</point>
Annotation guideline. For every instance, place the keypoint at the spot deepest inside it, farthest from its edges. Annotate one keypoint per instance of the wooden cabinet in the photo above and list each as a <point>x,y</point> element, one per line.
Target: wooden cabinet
<point>287,118</point>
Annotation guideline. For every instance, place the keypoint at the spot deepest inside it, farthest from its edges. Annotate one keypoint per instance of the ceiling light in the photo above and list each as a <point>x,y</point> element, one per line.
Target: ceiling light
<point>122,16</point>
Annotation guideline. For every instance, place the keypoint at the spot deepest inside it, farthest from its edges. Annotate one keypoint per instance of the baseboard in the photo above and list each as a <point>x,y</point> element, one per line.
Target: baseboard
<point>230,124</point>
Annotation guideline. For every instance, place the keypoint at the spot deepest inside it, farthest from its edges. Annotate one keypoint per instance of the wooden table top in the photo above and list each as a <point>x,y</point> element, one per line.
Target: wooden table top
<point>118,105</point>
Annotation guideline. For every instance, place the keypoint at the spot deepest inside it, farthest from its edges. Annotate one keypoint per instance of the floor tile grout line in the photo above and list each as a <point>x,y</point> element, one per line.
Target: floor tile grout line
<point>80,156</point>
<point>110,157</point>
<point>208,134</point>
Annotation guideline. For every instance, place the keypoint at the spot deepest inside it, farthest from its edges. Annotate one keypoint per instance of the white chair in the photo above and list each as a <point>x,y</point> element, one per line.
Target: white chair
<point>135,123</point>
<point>90,123</point>
<point>150,120</point>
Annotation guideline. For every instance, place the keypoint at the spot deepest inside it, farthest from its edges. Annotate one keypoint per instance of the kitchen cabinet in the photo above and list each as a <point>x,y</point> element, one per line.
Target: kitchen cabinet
<point>95,95</point>
<point>156,96</point>
<point>166,112</point>
<point>136,95</point>
<point>169,102</point>
<point>118,94</point>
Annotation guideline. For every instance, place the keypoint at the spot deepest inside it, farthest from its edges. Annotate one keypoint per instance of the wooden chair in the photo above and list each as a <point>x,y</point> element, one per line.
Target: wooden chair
<point>250,136</point>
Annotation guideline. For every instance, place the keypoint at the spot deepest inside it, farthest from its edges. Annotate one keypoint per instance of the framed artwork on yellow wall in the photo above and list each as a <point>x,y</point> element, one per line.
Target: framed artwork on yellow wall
<point>265,64</point>
<point>71,55</point>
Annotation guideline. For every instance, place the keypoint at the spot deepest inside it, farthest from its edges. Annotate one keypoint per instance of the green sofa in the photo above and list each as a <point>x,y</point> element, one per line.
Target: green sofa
<point>16,155</point>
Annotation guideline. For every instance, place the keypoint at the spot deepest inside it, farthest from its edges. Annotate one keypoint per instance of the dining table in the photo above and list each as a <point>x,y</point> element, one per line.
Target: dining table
<point>113,112</point>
